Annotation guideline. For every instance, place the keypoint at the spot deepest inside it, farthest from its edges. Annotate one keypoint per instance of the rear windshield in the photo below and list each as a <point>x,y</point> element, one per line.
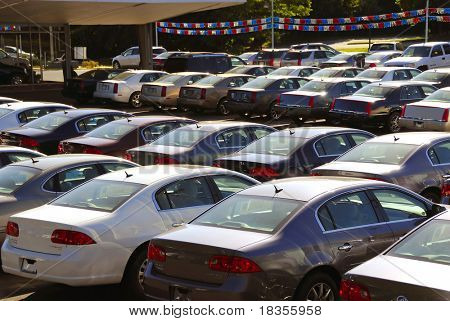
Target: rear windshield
<point>158,51</point>
<point>124,75</point>
<point>48,122</point>
<point>382,46</point>
<point>112,131</point>
<point>372,74</point>
<point>4,111</point>
<point>210,80</point>
<point>249,212</point>
<point>247,55</point>
<point>238,70</point>
<point>181,138</point>
<point>440,95</point>
<point>170,79</point>
<point>99,195</point>
<point>274,145</point>
<point>325,73</point>
<point>417,52</point>
<point>430,76</point>
<point>379,153</point>
<point>258,83</point>
<point>13,177</point>
<point>316,86</point>
<point>375,91</point>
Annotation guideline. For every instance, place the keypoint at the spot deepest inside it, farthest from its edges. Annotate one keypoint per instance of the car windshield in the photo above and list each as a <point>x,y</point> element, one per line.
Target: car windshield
<point>372,74</point>
<point>379,153</point>
<point>249,212</point>
<point>181,138</point>
<point>417,52</point>
<point>13,177</point>
<point>4,111</point>
<point>124,75</point>
<point>430,243</point>
<point>274,145</point>
<point>210,80</point>
<point>340,57</point>
<point>430,76</point>
<point>316,86</point>
<point>258,83</point>
<point>48,122</point>
<point>164,55</point>
<point>99,195</point>
<point>440,95</point>
<point>170,79</point>
<point>282,72</point>
<point>112,131</point>
<point>325,73</point>
<point>375,91</point>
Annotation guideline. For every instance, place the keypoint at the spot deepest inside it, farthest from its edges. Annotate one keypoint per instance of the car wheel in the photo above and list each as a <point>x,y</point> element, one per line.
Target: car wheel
<point>392,123</point>
<point>16,80</point>
<point>116,65</point>
<point>273,113</point>
<point>222,108</point>
<point>135,99</point>
<point>318,287</point>
<point>133,279</point>
<point>432,196</point>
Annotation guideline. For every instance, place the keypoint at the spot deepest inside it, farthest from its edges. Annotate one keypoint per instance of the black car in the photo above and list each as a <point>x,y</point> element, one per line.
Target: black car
<point>214,63</point>
<point>82,87</point>
<point>14,75</point>
<point>439,78</point>
<point>292,152</point>
<point>314,99</point>
<point>251,70</point>
<point>45,133</point>
<point>259,96</point>
<point>379,104</point>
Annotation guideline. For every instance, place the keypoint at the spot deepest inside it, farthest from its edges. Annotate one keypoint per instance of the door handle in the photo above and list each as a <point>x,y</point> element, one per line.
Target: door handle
<point>346,247</point>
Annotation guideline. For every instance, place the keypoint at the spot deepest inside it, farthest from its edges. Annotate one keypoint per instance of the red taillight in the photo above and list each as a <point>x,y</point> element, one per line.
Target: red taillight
<point>311,102</point>
<point>332,104</point>
<point>445,116</point>
<point>403,111</point>
<point>164,161</point>
<point>299,61</point>
<point>12,229</point>
<point>71,238</point>
<point>278,99</point>
<point>315,174</point>
<point>376,179</point>
<point>372,65</point>
<point>116,88</point>
<point>216,164</point>
<point>369,108</point>
<point>127,156</point>
<point>253,97</point>
<point>156,253</point>
<point>163,91</point>
<point>92,150</point>
<point>28,142</point>
<point>271,62</point>
<point>264,171</point>
<point>233,264</point>
<point>203,93</point>
<point>446,189</point>
<point>60,148</point>
<point>352,291</point>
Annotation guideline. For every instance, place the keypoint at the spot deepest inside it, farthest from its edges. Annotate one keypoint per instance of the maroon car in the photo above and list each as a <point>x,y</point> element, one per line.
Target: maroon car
<point>117,136</point>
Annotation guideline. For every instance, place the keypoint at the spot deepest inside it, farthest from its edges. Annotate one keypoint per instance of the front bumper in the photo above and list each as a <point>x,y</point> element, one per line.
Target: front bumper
<point>420,124</point>
<point>111,97</point>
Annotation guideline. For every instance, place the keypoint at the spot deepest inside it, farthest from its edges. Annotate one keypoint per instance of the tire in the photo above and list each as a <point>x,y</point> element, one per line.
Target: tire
<point>432,196</point>
<point>116,65</point>
<point>135,101</point>
<point>273,114</point>
<point>134,275</point>
<point>222,108</point>
<point>17,80</point>
<point>313,284</point>
<point>392,122</point>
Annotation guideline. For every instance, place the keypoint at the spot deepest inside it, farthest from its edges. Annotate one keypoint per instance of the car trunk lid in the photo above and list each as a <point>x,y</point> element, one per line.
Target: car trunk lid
<point>426,110</point>
<point>357,169</point>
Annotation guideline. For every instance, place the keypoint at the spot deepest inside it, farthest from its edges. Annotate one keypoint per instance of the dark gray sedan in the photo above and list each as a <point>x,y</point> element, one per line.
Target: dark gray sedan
<point>31,183</point>
<point>416,268</point>
<point>287,239</point>
<point>416,160</point>
<point>12,154</point>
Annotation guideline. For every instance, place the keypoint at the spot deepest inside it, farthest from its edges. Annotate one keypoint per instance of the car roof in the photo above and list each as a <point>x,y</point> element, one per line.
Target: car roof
<point>297,67</point>
<point>137,72</point>
<point>385,52</point>
<point>212,126</point>
<point>335,79</point>
<point>190,73</point>
<point>444,216</point>
<point>143,120</point>
<point>341,68</point>
<point>228,76</point>
<point>199,54</point>
<point>398,83</point>
<point>276,77</point>
<point>411,138</point>
<point>306,188</point>
<point>8,148</point>
<point>429,44</point>
<point>31,104</point>
<point>87,111</point>
<point>390,68</point>
<point>276,49</point>
<point>310,132</point>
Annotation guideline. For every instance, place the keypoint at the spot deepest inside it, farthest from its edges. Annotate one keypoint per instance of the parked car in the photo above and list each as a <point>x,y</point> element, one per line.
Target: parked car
<point>14,75</point>
<point>313,100</point>
<point>423,56</point>
<point>210,93</point>
<point>34,182</point>
<point>300,71</point>
<point>417,161</point>
<point>160,60</point>
<point>164,92</point>
<point>14,52</point>
<point>386,46</point>
<point>126,87</point>
<point>398,273</point>
<point>314,46</point>
<point>248,57</point>
<point>105,240</point>
<point>44,134</point>
<point>428,114</point>
<point>439,78</point>
<point>131,57</point>
<point>378,58</point>
<point>289,239</point>
<point>306,57</point>
<point>82,87</point>
<point>354,59</point>
<point>335,72</point>
<point>116,137</point>
<point>388,74</point>
<point>379,104</point>
<point>12,154</point>
<point>16,114</point>
<point>292,152</point>
<point>12,60</point>
<point>259,96</point>
<point>214,63</point>
<point>270,57</point>
<point>251,70</point>
<point>7,100</point>
<point>199,144</point>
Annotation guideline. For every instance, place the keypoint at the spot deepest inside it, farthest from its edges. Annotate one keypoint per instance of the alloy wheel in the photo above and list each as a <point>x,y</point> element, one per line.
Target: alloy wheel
<point>320,292</point>
<point>141,272</point>
<point>394,126</point>
<point>136,100</point>
<point>16,80</point>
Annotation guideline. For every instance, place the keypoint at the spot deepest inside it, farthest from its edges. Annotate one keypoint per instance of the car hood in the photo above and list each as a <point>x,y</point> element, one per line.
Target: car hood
<point>352,169</point>
<point>255,158</point>
<point>91,141</point>
<point>404,60</point>
<point>161,149</point>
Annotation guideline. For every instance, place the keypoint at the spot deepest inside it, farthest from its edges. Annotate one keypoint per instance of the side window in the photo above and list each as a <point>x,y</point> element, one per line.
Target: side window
<point>90,123</point>
<point>436,51</point>
<point>400,206</point>
<point>236,62</point>
<point>332,145</point>
<point>349,74</point>
<point>414,73</point>
<point>410,92</point>
<point>113,167</point>
<point>427,90</point>
<point>194,79</point>
<point>152,132</point>
<point>127,52</point>
<point>347,211</point>
<point>71,178</point>
<point>233,138</point>
<point>440,153</point>
<point>359,138</point>
<point>135,51</point>
<point>258,72</point>
<point>320,55</point>
<point>17,157</point>
<point>401,75</point>
<point>260,132</point>
<point>229,185</point>
<point>447,49</point>
<point>32,114</point>
<point>349,87</point>
<point>288,84</point>
<point>186,193</point>
<point>149,77</point>
<point>329,54</point>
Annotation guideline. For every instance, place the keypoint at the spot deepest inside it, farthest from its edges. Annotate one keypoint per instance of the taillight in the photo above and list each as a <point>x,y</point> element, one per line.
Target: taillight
<point>165,161</point>
<point>299,61</point>
<point>163,91</point>
<point>60,148</point>
<point>445,191</point>
<point>203,93</point>
<point>71,238</point>
<point>315,174</point>
<point>233,264</point>
<point>264,171</point>
<point>311,102</point>
<point>372,65</point>
<point>12,229</point>
<point>402,114</point>
<point>445,116</point>
<point>332,104</point>
<point>271,62</point>
<point>127,156</point>
<point>278,99</point>
<point>216,164</point>
<point>92,150</point>
<point>116,88</point>
<point>253,97</point>
<point>156,253</point>
<point>369,108</point>
<point>28,142</point>
<point>352,291</point>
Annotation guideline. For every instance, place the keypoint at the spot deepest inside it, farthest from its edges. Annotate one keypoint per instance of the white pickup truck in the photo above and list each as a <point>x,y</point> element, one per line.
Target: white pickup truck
<point>423,56</point>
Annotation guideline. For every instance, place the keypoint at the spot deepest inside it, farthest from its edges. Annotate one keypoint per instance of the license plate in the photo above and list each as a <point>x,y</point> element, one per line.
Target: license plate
<point>29,266</point>
<point>105,87</point>
<point>418,124</point>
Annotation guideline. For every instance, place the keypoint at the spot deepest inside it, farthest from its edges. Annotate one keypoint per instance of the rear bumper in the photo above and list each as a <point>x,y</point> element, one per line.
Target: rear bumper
<point>362,118</point>
<point>242,108</point>
<point>195,103</point>
<point>419,124</point>
<point>158,101</point>
<point>111,97</point>
<point>301,111</point>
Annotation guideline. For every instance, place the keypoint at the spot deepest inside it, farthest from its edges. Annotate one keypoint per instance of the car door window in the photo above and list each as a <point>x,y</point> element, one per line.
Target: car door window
<point>113,167</point>
<point>127,52</point>
<point>401,75</point>
<point>359,138</point>
<point>194,79</point>
<point>258,72</point>
<point>288,84</point>
<point>228,185</point>
<point>436,51</point>
<point>410,93</point>
<point>427,90</point>
<point>152,132</point>
<point>413,72</point>
<point>319,55</point>
<point>32,114</point>
<point>329,54</point>
<point>186,193</point>
<point>440,153</point>
<point>149,77</point>
<point>400,206</point>
<point>349,74</point>
<point>260,132</point>
<point>71,178</point>
<point>332,146</point>
<point>352,210</point>
<point>233,139</point>
<point>90,123</point>
<point>135,51</point>
<point>348,88</point>
<point>447,49</point>
<point>17,157</point>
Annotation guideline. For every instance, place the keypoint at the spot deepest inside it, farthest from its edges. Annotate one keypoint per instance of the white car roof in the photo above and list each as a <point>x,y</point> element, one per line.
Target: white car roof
<point>30,104</point>
<point>7,148</point>
<point>411,138</point>
<point>430,44</point>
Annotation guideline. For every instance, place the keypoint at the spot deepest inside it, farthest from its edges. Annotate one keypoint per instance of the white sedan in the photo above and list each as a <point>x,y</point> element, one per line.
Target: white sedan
<point>126,87</point>
<point>7,100</point>
<point>388,74</point>
<point>98,233</point>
